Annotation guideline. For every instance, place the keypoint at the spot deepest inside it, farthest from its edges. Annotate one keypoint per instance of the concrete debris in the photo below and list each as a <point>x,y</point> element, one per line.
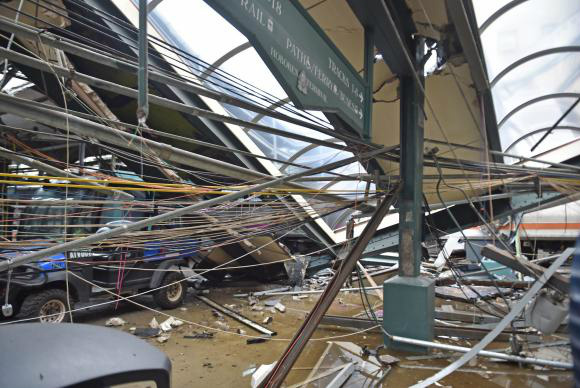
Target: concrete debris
<point>217,314</point>
<point>260,374</point>
<point>546,313</point>
<point>249,371</point>
<point>386,359</point>
<point>257,340</point>
<point>470,294</point>
<point>116,321</point>
<point>170,323</point>
<point>183,309</point>
<point>146,332</point>
<point>222,325</point>
<point>203,335</point>
<point>280,307</point>
<point>241,331</point>
<point>263,293</point>
<point>267,320</point>
<point>452,244</point>
<point>177,323</point>
<point>163,338</point>
<point>154,324</point>
<point>271,302</point>
<point>237,316</point>
<point>256,308</point>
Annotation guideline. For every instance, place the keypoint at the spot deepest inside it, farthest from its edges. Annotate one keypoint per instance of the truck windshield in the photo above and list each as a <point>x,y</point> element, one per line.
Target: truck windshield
<point>54,215</point>
<point>49,222</point>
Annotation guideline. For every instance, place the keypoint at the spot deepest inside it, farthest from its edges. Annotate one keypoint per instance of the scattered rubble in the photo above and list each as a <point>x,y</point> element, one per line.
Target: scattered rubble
<point>163,338</point>
<point>115,321</point>
<point>170,323</point>
<point>257,340</point>
<point>388,360</point>
<point>280,307</point>
<point>202,335</point>
<point>260,374</point>
<point>146,332</point>
<point>222,325</point>
<point>154,324</point>
<point>249,371</point>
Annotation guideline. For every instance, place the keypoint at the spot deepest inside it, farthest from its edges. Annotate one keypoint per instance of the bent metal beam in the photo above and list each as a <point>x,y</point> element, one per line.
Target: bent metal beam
<point>97,237</point>
<point>302,336</point>
<point>126,140</point>
<point>6,153</point>
<point>92,54</point>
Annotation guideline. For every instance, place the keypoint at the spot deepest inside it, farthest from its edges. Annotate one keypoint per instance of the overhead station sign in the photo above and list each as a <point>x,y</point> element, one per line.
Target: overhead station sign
<point>309,67</point>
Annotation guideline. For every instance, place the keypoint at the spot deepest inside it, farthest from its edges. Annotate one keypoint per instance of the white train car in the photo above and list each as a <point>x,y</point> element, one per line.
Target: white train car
<point>541,232</point>
<point>559,223</point>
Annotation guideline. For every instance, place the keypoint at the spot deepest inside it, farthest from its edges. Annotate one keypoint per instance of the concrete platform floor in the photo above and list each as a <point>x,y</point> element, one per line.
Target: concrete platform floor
<point>220,362</point>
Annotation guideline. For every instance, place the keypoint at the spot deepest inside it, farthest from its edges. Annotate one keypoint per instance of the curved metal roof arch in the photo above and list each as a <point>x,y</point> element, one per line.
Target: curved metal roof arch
<point>497,14</point>
<point>534,101</point>
<point>536,55</point>
<point>536,131</point>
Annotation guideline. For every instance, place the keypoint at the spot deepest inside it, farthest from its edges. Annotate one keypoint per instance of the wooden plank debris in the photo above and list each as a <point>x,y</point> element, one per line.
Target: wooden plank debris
<point>492,335</point>
<point>468,294</point>
<point>238,317</point>
<point>557,281</point>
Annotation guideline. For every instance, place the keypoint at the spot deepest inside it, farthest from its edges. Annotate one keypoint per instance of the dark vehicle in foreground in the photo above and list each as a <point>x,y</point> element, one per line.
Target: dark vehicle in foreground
<point>38,291</point>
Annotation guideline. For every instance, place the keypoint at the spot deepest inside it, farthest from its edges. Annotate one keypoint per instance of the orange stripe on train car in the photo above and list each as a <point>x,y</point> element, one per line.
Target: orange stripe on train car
<point>538,226</point>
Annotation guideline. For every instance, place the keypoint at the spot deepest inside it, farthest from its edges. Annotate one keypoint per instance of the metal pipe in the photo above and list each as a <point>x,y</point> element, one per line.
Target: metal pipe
<point>126,140</point>
<point>94,238</point>
<point>515,311</point>
<point>6,153</point>
<point>463,146</point>
<point>94,55</point>
<point>562,117</point>
<point>484,353</point>
<point>132,93</point>
<point>143,76</point>
<point>369,56</point>
<point>280,293</point>
<point>152,4</point>
<point>97,237</point>
<point>238,317</point>
<point>291,354</point>
<point>135,143</point>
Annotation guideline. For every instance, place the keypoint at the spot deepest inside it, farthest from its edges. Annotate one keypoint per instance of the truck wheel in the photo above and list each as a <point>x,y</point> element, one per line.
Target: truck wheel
<point>171,296</point>
<point>48,306</point>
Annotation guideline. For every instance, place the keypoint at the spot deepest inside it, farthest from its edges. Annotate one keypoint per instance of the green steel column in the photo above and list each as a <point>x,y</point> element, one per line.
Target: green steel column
<point>369,61</point>
<point>408,298</point>
<point>412,136</point>
<point>143,75</point>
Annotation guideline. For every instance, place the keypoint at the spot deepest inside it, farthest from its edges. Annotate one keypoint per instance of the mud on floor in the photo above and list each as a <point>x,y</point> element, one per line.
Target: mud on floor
<point>221,361</point>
